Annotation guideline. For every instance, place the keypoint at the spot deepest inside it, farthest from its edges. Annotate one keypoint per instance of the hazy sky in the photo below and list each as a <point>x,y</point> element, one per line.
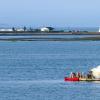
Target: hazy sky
<point>50,12</point>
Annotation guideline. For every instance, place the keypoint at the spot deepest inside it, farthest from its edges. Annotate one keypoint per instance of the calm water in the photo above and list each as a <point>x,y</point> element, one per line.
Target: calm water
<point>35,70</point>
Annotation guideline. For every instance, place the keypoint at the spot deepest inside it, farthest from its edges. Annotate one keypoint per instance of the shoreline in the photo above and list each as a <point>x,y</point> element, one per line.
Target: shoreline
<point>48,33</point>
<point>93,36</point>
<point>96,38</point>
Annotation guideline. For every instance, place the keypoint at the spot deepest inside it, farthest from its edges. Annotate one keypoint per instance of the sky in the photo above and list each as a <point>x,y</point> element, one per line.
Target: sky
<point>59,13</point>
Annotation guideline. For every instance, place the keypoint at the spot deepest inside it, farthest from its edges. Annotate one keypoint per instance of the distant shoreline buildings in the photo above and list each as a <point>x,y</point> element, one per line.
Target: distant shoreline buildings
<point>46,29</point>
<point>25,29</point>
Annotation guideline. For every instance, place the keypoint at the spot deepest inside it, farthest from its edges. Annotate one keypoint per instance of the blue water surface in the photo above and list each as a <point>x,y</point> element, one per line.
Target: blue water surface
<point>35,70</point>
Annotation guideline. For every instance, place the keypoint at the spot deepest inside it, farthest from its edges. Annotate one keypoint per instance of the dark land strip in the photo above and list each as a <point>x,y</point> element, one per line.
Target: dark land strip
<point>48,33</point>
<point>52,39</point>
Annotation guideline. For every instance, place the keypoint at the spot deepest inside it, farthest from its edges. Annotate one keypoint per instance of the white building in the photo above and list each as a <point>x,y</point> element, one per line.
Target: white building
<point>19,29</point>
<point>5,30</point>
<point>46,29</point>
<point>99,29</point>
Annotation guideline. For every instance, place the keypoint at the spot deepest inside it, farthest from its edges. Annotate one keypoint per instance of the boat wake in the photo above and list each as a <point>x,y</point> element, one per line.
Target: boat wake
<point>34,81</point>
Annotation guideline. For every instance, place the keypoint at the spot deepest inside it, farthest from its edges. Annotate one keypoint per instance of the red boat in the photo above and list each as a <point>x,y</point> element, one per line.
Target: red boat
<point>80,77</point>
<point>71,79</point>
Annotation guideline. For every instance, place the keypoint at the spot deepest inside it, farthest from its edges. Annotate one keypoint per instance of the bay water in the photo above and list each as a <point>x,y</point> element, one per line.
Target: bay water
<point>35,70</point>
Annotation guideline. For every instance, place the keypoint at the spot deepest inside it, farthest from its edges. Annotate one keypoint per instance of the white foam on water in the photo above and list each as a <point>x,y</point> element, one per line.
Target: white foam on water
<point>96,71</point>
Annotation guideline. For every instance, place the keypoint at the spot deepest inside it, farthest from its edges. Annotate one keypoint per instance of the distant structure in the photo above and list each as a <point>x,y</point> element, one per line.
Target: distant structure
<point>13,29</point>
<point>6,30</point>
<point>20,29</point>
<point>46,29</point>
<point>99,29</point>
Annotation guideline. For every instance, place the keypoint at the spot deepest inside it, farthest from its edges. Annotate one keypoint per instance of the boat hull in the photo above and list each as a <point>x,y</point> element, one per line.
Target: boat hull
<point>71,79</point>
<point>79,79</point>
<point>86,79</point>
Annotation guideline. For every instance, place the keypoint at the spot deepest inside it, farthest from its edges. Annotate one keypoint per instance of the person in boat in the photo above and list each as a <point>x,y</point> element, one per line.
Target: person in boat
<point>82,75</point>
<point>90,75</point>
<point>72,75</point>
<point>78,74</point>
